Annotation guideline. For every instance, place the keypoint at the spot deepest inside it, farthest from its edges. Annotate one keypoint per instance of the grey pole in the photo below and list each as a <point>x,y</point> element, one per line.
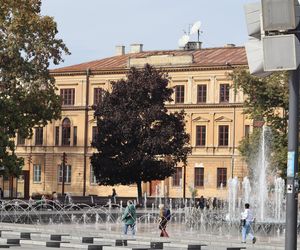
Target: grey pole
<point>292,164</point>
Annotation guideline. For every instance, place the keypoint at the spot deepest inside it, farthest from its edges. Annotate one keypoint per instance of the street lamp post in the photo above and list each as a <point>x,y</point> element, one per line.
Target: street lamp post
<point>64,160</point>
<point>275,47</point>
<point>292,166</point>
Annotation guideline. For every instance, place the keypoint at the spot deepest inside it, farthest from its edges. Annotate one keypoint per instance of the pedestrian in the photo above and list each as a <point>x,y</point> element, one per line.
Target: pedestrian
<point>201,202</point>
<point>54,196</point>
<point>164,217</point>
<point>206,202</point>
<point>129,217</point>
<point>114,195</point>
<point>214,203</point>
<point>247,220</point>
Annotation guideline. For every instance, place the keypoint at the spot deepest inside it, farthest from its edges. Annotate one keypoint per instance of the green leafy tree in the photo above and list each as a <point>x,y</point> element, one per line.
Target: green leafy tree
<point>28,44</point>
<point>138,140</point>
<point>266,100</point>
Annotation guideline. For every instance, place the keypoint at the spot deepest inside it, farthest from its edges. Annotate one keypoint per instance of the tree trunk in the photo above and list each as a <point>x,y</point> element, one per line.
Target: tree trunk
<point>11,186</point>
<point>139,189</point>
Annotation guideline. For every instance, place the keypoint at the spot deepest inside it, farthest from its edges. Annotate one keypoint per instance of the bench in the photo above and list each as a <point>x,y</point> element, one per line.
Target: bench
<point>15,242</point>
<point>196,246</point>
<point>88,239</point>
<point>121,242</point>
<point>140,248</point>
<point>97,247</point>
<point>156,245</point>
<point>235,248</point>
<point>57,237</point>
<point>27,235</point>
<point>55,243</point>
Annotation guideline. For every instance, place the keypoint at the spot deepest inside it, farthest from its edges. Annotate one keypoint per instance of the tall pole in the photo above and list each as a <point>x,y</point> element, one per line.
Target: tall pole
<point>184,181</point>
<point>63,174</point>
<point>292,164</point>
<point>86,128</point>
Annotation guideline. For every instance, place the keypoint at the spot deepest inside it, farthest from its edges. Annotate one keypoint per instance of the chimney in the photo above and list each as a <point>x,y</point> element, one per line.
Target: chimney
<point>120,50</point>
<point>192,46</point>
<point>136,48</point>
<point>229,45</point>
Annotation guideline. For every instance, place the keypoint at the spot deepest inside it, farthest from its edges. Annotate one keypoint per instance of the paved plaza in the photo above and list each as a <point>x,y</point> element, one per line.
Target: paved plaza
<point>108,236</point>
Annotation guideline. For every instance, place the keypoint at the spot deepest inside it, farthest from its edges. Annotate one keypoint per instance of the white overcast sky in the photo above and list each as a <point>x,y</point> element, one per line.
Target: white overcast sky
<point>92,28</point>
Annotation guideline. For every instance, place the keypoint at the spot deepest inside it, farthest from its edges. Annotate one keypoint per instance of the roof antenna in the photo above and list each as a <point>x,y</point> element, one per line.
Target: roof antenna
<point>196,29</point>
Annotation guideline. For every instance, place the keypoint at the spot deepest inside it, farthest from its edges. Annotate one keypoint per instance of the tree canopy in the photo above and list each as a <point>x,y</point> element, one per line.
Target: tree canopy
<point>138,140</point>
<point>266,100</point>
<point>28,43</point>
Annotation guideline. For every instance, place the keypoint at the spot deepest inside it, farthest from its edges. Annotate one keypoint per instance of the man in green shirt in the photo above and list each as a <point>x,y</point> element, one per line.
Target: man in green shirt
<point>129,217</point>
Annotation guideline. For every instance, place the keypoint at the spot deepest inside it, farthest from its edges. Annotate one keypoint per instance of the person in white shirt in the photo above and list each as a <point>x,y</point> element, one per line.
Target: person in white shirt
<point>247,219</point>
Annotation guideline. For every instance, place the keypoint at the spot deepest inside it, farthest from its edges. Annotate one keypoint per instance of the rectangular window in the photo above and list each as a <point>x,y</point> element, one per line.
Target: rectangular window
<point>199,177</point>
<point>98,94</point>
<point>177,177</point>
<point>200,135</point>
<point>37,173</point>
<point>94,133</point>
<point>221,177</point>
<point>92,176</point>
<point>201,93</point>
<point>223,135</point>
<point>179,94</point>
<point>74,136</point>
<point>20,140</point>
<point>68,173</point>
<point>247,130</point>
<point>224,92</point>
<point>39,136</point>
<point>68,96</point>
<point>56,136</point>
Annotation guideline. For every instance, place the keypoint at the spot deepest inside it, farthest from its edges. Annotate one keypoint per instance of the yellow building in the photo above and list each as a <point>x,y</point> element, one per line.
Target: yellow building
<point>214,120</point>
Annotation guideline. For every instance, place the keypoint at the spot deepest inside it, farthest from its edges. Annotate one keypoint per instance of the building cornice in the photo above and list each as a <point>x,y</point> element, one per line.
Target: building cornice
<point>204,106</point>
<point>164,69</point>
<point>170,106</point>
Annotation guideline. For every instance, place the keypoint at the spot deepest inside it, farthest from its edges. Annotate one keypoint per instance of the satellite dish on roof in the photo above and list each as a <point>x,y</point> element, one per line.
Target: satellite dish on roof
<point>183,40</point>
<point>195,28</point>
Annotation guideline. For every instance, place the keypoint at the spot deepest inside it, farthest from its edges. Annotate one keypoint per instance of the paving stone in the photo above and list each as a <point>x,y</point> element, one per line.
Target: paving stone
<point>4,231</point>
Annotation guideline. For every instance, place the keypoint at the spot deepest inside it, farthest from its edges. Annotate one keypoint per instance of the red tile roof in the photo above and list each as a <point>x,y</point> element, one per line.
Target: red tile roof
<point>208,57</point>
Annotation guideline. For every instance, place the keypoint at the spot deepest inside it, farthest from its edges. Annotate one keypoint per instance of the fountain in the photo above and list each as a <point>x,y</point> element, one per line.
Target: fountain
<point>260,174</point>
<point>233,185</point>
<point>266,196</point>
<point>246,189</point>
<point>279,198</point>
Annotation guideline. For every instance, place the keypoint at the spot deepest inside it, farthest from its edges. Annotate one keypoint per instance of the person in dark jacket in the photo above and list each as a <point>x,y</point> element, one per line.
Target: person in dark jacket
<point>201,202</point>
<point>114,195</point>
<point>129,217</point>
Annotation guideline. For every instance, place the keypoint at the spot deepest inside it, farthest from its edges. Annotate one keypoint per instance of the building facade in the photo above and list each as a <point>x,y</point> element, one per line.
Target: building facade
<point>202,87</point>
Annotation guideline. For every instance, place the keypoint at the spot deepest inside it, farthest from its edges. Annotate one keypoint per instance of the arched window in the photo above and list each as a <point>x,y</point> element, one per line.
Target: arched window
<point>66,132</point>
